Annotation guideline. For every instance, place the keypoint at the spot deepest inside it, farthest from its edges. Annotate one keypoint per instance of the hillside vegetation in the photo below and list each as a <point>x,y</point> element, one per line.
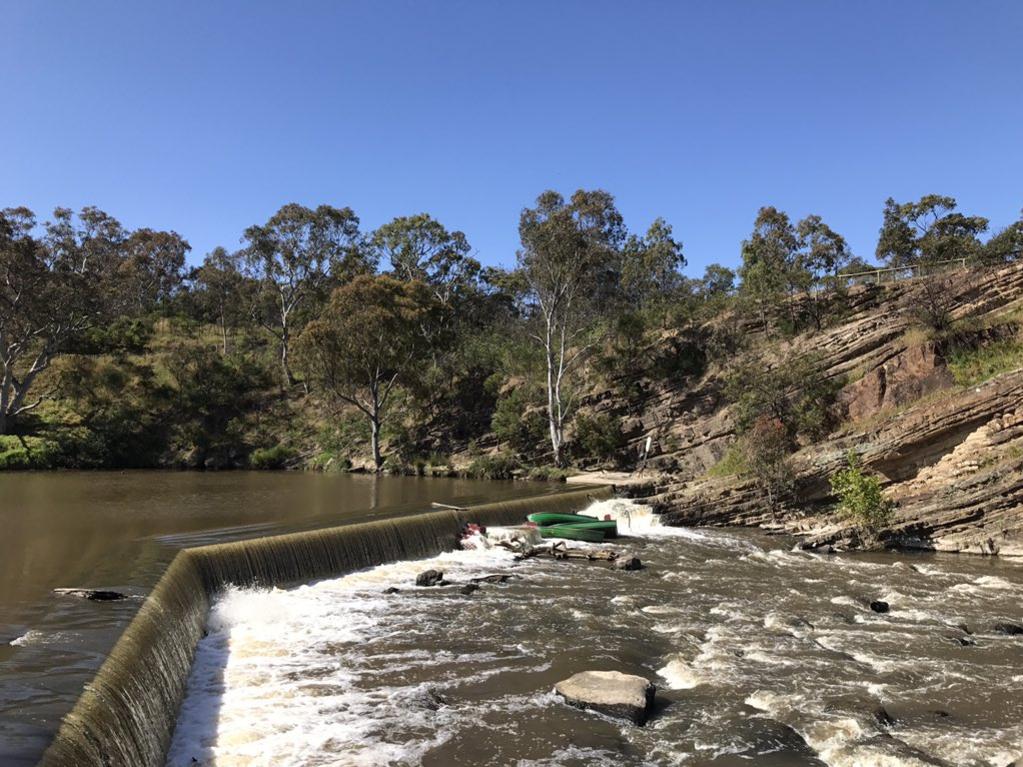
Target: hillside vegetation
<point>319,346</point>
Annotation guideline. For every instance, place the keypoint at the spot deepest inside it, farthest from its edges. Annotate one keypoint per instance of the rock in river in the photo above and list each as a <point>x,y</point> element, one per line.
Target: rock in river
<point>430,578</point>
<point>628,563</point>
<point>1009,629</point>
<point>624,696</point>
<point>879,606</point>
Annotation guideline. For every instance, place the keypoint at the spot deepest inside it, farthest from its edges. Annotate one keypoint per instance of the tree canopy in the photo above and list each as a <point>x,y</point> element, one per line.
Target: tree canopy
<point>927,231</point>
<point>365,341</point>
<point>295,258</point>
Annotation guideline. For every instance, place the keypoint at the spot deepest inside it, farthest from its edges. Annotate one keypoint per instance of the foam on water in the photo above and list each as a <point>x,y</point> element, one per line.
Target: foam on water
<point>273,684</point>
<point>680,675</point>
<point>750,643</point>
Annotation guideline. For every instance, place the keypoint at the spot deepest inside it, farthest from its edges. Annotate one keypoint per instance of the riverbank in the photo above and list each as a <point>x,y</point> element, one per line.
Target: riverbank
<point>934,415</point>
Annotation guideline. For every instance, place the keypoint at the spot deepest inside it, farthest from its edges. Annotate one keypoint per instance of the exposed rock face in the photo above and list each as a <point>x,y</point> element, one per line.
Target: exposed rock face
<point>951,457</point>
<point>906,377</point>
<point>623,696</point>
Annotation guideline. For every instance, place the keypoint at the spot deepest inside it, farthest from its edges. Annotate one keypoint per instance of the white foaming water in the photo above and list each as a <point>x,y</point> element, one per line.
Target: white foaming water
<point>340,673</point>
<point>680,675</point>
<point>272,683</point>
<point>34,637</point>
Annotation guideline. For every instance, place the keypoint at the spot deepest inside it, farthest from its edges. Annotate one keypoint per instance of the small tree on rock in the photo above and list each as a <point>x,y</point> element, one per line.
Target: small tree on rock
<point>766,447</point>
<point>860,496</point>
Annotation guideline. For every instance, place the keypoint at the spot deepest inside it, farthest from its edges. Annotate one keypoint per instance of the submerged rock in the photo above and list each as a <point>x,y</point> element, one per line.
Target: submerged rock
<point>623,696</point>
<point>469,588</point>
<point>495,578</point>
<point>628,563</point>
<point>392,590</point>
<point>94,595</point>
<point>430,578</point>
<point>883,718</point>
<point>1009,629</point>
<point>879,606</point>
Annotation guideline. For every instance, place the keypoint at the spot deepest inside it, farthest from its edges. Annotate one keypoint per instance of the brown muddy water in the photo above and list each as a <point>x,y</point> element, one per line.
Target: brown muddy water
<point>763,655</point>
<point>119,531</point>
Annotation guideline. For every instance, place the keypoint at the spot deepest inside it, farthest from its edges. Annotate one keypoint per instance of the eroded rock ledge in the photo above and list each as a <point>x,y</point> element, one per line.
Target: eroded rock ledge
<point>951,457</point>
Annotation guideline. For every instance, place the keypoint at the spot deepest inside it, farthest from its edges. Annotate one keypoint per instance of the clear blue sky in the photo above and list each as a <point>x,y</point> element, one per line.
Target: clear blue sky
<point>205,117</point>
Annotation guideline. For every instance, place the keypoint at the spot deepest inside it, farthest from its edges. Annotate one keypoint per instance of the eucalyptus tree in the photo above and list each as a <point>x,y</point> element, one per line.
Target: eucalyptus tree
<point>219,288</point>
<point>365,342</point>
<point>717,282</point>
<point>822,253</point>
<point>927,231</point>
<point>1006,245</point>
<point>152,268</point>
<point>767,261</point>
<point>420,248</point>
<point>571,262</point>
<point>52,289</point>
<point>651,266</point>
<point>295,258</point>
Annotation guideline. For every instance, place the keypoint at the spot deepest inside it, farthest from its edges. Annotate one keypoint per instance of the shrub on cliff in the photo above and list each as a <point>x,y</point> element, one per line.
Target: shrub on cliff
<point>797,393</point>
<point>860,496</point>
<point>765,448</point>
<point>598,437</point>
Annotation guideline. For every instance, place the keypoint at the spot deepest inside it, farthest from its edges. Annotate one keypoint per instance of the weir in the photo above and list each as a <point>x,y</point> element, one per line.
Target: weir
<point>125,717</point>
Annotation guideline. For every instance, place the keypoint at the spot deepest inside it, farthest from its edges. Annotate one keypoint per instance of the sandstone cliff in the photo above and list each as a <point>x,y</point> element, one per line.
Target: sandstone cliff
<point>951,455</point>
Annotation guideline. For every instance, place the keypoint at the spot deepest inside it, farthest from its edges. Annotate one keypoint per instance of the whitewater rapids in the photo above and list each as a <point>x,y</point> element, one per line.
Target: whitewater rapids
<point>763,655</point>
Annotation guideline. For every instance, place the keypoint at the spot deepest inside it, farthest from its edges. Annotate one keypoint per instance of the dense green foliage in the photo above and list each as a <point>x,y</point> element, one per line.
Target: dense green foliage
<point>860,496</point>
<point>319,344</point>
<point>796,394</point>
<point>976,363</point>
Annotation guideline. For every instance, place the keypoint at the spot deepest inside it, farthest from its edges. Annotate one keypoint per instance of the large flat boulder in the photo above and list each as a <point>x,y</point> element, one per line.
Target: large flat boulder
<point>623,696</point>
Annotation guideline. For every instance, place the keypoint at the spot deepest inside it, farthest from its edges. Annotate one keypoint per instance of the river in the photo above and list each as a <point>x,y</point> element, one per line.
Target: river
<point>118,530</point>
<point>762,654</point>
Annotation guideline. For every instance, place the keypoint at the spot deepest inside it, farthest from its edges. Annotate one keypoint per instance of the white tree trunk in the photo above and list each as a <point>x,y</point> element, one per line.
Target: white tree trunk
<point>555,371</point>
<point>374,421</point>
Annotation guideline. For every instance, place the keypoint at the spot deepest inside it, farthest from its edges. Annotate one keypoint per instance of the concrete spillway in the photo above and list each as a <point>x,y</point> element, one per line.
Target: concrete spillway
<point>126,715</point>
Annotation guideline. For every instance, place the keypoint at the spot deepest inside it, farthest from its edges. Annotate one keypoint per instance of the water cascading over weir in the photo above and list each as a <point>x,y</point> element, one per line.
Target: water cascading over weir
<point>125,717</point>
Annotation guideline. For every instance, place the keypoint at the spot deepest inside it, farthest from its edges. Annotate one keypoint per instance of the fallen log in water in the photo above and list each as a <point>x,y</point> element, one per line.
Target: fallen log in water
<point>559,550</point>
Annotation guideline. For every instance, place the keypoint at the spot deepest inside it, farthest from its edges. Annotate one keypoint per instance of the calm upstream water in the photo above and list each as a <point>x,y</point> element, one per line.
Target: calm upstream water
<point>119,531</point>
<point>764,656</point>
